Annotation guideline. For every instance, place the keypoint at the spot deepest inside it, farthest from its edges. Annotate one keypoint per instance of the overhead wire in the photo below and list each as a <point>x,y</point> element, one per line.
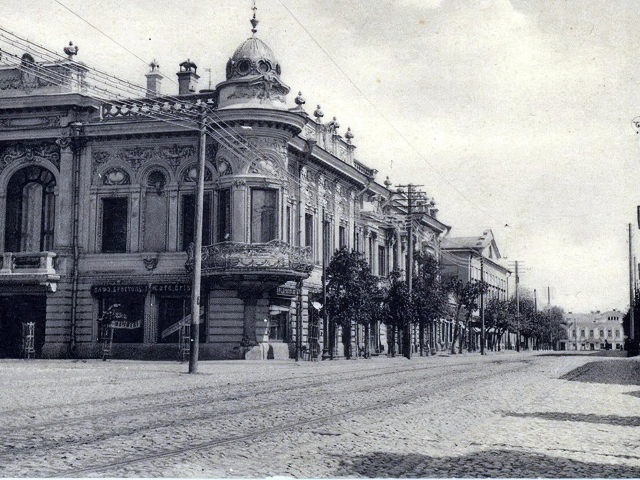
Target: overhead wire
<point>383,116</point>
<point>137,106</point>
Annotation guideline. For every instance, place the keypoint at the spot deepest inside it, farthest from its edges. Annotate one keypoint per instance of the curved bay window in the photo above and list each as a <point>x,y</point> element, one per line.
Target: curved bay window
<point>30,216</point>
<point>264,208</point>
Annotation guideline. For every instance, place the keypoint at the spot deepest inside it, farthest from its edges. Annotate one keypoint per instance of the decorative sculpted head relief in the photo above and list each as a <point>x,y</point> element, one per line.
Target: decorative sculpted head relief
<point>157,180</point>
<point>191,175</point>
<point>115,176</point>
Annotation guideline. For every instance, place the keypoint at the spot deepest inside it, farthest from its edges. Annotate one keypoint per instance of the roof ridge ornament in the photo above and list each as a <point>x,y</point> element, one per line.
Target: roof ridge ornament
<point>71,50</point>
<point>254,20</point>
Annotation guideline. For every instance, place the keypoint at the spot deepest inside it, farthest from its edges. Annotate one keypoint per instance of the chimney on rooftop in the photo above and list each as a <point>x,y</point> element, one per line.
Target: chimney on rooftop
<point>154,80</point>
<point>187,78</point>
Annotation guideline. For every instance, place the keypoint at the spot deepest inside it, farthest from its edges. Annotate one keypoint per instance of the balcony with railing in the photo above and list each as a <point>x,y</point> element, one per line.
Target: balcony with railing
<point>275,260</point>
<point>29,267</point>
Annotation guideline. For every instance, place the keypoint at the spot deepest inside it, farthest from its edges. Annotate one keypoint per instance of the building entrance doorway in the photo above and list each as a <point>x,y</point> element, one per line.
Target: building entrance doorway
<point>15,311</point>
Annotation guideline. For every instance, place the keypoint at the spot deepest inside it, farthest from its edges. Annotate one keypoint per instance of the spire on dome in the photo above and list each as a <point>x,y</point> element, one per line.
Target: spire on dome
<point>254,20</point>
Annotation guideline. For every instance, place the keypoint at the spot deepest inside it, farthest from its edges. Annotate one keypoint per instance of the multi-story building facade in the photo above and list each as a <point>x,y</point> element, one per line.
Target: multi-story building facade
<point>98,201</point>
<point>477,258</point>
<point>594,331</point>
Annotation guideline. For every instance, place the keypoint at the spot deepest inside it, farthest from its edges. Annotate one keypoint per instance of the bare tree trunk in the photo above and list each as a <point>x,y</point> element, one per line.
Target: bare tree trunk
<point>346,340</point>
<point>392,341</point>
<point>456,330</point>
<point>367,340</point>
<point>421,334</point>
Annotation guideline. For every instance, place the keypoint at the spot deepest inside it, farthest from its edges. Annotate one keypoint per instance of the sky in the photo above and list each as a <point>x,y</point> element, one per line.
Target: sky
<point>515,115</point>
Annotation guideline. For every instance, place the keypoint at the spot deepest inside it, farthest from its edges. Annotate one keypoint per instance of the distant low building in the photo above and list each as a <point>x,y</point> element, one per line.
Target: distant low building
<point>594,331</point>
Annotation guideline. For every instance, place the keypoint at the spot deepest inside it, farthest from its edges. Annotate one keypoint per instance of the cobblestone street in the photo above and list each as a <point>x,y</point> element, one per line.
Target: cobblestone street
<point>502,415</point>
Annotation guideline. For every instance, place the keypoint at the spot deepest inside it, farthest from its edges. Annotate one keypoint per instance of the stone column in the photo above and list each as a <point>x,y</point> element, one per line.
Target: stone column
<point>150,319</point>
<point>134,223</point>
<point>3,208</point>
<point>64,201</point>
<point>250,298</point>
<point>174,221</point>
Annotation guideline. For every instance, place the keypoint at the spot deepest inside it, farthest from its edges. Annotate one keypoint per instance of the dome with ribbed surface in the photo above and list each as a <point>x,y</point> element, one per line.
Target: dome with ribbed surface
<point>253,57</point>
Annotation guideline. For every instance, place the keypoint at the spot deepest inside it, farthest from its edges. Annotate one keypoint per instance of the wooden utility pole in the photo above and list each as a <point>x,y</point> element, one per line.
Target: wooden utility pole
<point>409,271</point>
<point>632,329</point>
<point>517,309</point>
<point>194,336</point>
<point>326,331</point>
<point>482,332</point>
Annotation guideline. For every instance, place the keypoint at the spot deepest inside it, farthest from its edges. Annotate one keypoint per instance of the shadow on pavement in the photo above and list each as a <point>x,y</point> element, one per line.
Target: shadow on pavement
<point>491,463</point>
<point>619,372</point>
<point>580,417</point>
<point>581,353</point>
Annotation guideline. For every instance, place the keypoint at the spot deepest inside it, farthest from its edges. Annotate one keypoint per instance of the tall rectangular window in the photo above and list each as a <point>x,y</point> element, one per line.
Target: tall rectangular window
<point>224,215</point>
<point>288,226</point>
<point>327,239</point>
<point>382,261</point>
<point>370,258</point>
<point>188,220</point>
<point>342,236</point>
<point>264,220</point>
<point>171,311</point>
<point>131,316</point>
<point>114,225</point>
<point>308,230</point>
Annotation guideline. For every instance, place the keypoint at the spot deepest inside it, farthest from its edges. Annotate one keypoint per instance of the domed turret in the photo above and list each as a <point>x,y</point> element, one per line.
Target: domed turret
<point>253,77</point>
<point>253,57</point>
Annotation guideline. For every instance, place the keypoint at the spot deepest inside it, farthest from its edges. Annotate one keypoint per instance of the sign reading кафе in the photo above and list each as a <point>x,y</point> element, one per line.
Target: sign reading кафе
<point>107,289</point>
<point>156,288</point>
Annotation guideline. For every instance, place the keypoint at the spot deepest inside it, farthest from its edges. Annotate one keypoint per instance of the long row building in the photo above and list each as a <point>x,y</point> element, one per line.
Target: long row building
<point>98,203</point>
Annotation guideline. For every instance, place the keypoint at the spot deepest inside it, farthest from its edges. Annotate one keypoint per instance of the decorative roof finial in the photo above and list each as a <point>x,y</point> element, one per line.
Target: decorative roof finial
<point>155,66</point>
<point>254,20</point>
<point>71,50</point>
<point>349,136</point>
<point>318,114</point>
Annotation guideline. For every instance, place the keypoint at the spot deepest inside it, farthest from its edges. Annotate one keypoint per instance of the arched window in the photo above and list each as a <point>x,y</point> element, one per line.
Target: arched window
<point>30,216</point>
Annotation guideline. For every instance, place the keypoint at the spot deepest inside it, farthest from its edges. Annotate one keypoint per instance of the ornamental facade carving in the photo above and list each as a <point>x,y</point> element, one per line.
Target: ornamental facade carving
<point>269,144</point>
<point>137,157</point>
<point>29,153</point>
<point>263,91</point>
<point>30,122</point>
<point>22,80</point>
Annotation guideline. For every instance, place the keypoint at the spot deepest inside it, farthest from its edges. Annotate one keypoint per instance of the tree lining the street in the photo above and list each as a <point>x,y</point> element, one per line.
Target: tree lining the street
<point>356,297</point>
<point>429,296</point>
<point>353,295</point>
<point>466,297</point>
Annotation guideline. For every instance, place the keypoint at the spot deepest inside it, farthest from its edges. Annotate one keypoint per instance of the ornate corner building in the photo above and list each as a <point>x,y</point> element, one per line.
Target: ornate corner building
<point>98,202</point>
